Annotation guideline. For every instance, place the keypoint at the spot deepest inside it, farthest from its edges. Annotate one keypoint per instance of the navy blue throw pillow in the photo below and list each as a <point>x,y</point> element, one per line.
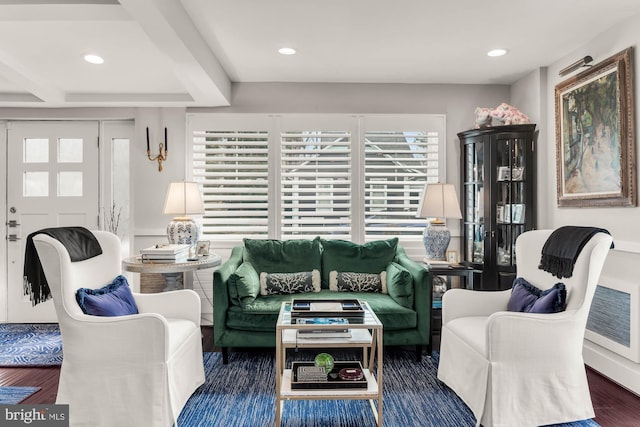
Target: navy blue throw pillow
<point>528,299</point>
<point>115,299</point>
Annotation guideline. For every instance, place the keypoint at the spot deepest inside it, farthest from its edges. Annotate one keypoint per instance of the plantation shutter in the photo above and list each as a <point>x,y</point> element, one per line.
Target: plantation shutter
<point>401,155</point>
<point>316,179</point>
<point>231,160</point>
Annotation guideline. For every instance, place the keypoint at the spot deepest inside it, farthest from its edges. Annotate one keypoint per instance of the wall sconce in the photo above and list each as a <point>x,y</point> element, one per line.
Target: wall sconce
<point>583,62</point>
<point>161,157</point>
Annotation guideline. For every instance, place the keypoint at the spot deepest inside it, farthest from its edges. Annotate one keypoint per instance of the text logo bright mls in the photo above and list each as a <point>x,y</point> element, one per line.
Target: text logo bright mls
<point>34,415</point>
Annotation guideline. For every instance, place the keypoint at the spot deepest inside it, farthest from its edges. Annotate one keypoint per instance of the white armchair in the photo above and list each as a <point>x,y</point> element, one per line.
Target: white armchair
<point>522,369</point>
<point>134,370</point>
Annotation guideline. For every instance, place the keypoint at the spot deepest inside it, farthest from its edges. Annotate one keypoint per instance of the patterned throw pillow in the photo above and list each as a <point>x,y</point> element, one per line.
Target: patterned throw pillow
<point>358,282</point>
<point>289,283</point>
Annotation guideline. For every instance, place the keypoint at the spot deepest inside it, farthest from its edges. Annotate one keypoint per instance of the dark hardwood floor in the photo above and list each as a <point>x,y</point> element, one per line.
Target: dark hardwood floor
<point>614,405</point>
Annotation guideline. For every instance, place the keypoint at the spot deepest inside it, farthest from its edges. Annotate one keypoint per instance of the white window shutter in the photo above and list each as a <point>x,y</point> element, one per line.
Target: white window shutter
<point>315,183</point>
<point>232,165</point>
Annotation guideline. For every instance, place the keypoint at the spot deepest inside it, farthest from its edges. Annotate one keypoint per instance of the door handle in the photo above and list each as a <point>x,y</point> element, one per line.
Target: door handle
<point>13,237</point>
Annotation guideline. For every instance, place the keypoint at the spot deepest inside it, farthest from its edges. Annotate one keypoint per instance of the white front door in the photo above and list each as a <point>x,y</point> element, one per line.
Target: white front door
<point>52,181</point>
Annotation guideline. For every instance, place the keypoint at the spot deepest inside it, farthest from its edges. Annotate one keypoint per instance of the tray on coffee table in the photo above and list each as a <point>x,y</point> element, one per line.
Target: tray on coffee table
<point>333,379</point>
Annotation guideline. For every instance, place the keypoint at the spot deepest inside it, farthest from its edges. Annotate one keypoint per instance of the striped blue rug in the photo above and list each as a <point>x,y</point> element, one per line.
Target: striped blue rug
<point>30,345</point>
<point>242,394</point>
<point>15,395</point>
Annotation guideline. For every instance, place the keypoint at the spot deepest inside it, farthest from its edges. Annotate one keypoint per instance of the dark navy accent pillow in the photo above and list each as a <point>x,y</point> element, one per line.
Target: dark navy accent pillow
<point>115,299</point>
<point>527,298</point>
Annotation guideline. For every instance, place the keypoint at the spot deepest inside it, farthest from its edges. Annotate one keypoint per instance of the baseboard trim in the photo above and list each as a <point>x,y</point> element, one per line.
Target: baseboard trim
<point>613,366</point>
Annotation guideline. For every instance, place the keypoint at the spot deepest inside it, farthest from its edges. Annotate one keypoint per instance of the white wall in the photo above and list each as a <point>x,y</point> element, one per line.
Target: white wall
<point>621,222</point>
<point>529,95</point>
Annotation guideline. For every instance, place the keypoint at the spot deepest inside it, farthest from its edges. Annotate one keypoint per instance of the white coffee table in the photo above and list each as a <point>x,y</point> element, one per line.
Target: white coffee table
<point>366,335</point>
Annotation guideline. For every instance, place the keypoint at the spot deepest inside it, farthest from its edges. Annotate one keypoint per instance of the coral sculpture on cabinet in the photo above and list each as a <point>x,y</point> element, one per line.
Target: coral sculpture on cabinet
<point>504,114</point>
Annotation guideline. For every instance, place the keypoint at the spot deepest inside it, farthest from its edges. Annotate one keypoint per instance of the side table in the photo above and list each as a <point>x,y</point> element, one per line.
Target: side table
<point>171,271</point>
<point>450,270</point>
<point>447,270</point>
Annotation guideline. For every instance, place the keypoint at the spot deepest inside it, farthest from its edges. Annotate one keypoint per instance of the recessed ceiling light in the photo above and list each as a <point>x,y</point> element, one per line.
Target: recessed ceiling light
<point>497,52</point>
<point>93,59</point>
<point>287,51</point>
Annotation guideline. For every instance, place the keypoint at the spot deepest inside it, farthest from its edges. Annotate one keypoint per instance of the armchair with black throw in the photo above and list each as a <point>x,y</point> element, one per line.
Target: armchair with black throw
<point>524,367</point>
<point>124,370</point>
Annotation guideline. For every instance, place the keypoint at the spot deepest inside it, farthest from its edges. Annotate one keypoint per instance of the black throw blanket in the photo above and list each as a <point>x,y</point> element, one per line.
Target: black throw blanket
<point>562,248</point>
<point>80,243</point>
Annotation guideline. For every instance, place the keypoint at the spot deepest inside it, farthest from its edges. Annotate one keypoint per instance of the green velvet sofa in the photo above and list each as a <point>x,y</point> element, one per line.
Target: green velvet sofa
<point>246,317</point>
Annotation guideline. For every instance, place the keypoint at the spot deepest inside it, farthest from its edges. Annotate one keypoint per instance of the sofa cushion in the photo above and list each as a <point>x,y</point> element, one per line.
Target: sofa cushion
<point>289,283</point>
<point>342,255</point>
<point>262,314</point>
<point>400,284</point>
<point>244,285</point>
<point>282,256</point>
<point>472,330</point>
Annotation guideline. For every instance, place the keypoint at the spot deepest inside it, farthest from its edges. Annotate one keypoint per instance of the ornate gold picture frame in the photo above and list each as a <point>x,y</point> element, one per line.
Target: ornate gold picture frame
<point>595,135</point>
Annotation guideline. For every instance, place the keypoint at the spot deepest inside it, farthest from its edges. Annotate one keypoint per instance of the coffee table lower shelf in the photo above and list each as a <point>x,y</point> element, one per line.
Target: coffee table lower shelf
<point>287,393</point>
<point>371,393</point>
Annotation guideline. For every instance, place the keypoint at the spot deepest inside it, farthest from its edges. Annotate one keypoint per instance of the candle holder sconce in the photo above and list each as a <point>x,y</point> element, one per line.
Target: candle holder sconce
<point>163,151</point>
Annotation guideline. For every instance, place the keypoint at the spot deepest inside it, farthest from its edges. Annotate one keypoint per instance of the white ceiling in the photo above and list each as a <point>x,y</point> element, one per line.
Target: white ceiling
<point>188,52</point>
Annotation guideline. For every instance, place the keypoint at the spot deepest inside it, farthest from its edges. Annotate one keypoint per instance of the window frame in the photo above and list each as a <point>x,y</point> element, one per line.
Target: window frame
<point>359,124</point>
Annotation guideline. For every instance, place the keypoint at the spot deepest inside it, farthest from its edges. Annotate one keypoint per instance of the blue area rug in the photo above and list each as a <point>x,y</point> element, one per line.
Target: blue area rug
<point>15,395</point>
<point>242,393</point>
<point>30,345</point>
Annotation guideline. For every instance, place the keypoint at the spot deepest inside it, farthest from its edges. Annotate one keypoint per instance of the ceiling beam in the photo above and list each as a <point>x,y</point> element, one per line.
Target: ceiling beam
<point>23,77</point>
<point>170,28</point>
<point>62,11</point>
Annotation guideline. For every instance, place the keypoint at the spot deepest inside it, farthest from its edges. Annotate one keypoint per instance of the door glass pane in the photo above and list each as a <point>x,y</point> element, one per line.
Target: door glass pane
<point>36,150</point>
<point>70,184</point>
<point>117,217</point>
<point>35,184</point>
<point>70,150</point>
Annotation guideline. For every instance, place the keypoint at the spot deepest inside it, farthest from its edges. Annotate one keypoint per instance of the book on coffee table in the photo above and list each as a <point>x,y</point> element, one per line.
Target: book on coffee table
<point>323,333</point>
<point>349,309</point>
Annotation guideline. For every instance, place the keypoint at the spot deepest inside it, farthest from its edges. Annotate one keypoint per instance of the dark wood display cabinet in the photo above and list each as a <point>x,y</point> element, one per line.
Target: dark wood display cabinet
<point>498,199</point>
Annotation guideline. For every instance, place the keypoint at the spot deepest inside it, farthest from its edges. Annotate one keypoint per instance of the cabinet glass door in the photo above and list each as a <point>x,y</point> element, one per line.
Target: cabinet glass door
<point>474,201</point>
<point>510,192</point>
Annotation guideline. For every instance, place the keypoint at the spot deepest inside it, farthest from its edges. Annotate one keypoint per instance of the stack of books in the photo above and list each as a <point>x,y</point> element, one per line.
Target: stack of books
<point>339,332</point>
<point>165,253</point>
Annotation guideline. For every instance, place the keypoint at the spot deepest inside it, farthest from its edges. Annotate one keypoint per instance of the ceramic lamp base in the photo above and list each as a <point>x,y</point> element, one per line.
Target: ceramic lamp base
<point>183,231</point>
<point>436,238</point>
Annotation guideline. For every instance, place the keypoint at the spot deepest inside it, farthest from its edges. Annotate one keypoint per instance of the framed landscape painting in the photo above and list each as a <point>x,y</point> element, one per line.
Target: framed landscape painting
<point>595,137</point>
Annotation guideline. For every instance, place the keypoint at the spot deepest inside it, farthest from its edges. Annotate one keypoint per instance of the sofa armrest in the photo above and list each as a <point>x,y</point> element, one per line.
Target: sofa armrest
<point>421,291</point>
<point>221,300</point>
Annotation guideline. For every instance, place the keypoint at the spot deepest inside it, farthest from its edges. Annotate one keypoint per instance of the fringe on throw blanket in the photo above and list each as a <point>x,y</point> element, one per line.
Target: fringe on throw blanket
<point>562,248</point>
<point>81,245</point>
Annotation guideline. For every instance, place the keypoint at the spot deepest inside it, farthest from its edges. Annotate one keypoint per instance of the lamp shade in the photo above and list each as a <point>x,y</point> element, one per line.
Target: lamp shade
<point>439,201</point>
<point>183,199</point>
